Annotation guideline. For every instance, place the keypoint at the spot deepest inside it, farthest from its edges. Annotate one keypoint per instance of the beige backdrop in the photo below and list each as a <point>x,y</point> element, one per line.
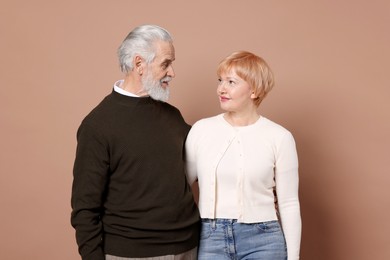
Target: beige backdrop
<point>331,62</point>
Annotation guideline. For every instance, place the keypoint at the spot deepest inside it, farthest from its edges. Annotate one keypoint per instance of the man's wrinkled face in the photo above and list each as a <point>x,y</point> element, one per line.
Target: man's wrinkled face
<point>160,72</point>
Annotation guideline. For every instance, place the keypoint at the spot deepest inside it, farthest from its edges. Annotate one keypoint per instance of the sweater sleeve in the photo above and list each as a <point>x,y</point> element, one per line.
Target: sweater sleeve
<point>286,178</point>
<point>90,176</point>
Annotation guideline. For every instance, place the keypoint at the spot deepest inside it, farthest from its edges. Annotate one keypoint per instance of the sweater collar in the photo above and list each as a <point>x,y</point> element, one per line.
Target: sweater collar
<point>131,101</point>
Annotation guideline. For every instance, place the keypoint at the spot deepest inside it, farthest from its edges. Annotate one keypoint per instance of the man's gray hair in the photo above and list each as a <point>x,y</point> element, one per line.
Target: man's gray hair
<point>140,41</point>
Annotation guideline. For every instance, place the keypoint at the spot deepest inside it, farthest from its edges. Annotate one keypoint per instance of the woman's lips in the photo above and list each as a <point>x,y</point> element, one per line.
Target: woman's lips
<point>223,99</point>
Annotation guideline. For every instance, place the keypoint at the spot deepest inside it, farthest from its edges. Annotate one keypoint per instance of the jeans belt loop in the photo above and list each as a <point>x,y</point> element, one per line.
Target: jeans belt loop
<point>213,223</point>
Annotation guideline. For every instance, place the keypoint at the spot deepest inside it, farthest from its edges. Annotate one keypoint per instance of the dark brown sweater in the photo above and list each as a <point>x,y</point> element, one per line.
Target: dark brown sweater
<point>130,196</point>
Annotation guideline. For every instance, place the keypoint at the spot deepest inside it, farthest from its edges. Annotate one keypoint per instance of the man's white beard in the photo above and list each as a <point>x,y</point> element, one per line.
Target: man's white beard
<point>154,88</point>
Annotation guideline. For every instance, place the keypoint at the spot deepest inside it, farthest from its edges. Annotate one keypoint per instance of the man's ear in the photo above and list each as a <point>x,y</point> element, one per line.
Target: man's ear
<point>138,60</point>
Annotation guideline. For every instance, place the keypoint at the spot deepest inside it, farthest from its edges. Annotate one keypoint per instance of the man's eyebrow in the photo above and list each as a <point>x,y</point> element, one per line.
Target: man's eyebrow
<point>167,61</point>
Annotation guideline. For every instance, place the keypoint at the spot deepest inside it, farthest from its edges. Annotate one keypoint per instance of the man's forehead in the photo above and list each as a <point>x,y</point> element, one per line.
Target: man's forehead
<point>165,50</point>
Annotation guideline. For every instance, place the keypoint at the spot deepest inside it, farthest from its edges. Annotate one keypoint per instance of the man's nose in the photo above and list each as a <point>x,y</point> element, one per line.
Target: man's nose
<point>171,71</point>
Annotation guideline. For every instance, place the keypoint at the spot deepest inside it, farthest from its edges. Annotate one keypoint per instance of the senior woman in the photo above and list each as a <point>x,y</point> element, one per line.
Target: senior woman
<point>242,161</point>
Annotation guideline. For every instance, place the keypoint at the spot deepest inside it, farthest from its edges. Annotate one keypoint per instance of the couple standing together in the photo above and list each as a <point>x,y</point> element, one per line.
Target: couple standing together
<point>137,158</point>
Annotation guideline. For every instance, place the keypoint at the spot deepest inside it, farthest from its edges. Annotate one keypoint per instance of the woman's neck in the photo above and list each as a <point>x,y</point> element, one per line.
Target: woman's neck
<point>237,119</point>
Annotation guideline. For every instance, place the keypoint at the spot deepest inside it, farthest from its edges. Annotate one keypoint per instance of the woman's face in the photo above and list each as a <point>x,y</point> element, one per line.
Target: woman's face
<point>235,94</point>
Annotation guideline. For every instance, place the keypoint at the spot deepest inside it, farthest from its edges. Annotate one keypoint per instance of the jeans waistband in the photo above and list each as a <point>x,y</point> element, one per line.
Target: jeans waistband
<point>219,220</point>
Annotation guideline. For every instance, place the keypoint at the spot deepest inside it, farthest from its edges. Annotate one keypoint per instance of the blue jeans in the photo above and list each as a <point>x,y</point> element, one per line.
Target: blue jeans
<point>188,255</point>
<point>226,239</point>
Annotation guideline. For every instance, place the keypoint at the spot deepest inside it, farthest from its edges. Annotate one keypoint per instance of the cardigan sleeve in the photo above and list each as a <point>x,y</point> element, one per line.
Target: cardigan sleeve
<point>190,156</point>
<point>286,179</point>
<point>90,176</point>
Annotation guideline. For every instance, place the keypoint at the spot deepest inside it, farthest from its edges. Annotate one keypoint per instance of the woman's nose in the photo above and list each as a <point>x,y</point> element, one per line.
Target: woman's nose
<point>221,88</point>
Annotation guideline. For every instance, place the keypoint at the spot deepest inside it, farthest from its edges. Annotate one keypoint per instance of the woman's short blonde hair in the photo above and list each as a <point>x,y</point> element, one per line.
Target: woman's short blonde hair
<point>251,68</point>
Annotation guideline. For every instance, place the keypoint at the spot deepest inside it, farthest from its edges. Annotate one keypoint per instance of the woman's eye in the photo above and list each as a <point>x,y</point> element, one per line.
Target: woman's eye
<point>231,82</point>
